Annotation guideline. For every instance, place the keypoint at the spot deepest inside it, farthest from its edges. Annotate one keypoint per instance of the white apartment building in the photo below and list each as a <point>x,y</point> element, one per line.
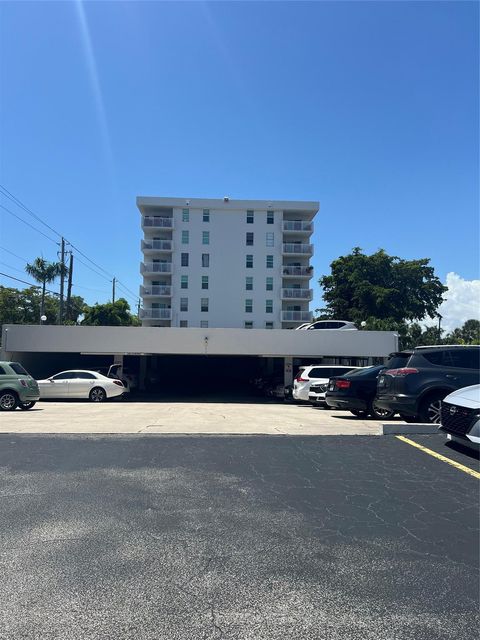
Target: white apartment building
<point>225,263</point>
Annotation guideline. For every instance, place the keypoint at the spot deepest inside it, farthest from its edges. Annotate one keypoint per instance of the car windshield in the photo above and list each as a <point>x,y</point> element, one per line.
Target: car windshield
<point>18,369</point>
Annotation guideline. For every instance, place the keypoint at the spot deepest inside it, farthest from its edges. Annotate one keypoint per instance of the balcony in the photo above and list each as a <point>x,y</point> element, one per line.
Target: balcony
<point>156,314</point>
<point>297,249</point>
<point>297,316</point>
<point>298,226</point>
<point>155,267</point>
<point>156,291</point>
<point>297,272</point>
<point>155,246</point>
<point>291,293</point>
<point>156,222</point>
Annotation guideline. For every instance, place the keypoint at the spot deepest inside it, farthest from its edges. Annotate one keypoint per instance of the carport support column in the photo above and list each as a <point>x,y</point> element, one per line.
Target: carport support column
<point>142,373</point>
<point>287,371</point>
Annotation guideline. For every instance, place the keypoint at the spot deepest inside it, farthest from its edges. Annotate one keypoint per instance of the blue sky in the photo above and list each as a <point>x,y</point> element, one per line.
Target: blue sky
<point>369,107</point>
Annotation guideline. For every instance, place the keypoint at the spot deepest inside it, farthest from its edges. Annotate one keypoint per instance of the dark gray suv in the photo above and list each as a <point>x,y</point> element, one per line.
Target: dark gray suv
<point>416,390</point>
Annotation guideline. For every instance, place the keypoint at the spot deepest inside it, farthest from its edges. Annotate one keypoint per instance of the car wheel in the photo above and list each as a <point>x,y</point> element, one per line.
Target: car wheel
<point>430,409</point>
<point>25,406</point>
<point>97,394</point>
<point>378,413</point>
<point>8,401</point>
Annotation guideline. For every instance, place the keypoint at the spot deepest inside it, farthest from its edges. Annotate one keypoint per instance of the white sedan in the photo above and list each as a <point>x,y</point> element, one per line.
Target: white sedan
<point>79,383</point>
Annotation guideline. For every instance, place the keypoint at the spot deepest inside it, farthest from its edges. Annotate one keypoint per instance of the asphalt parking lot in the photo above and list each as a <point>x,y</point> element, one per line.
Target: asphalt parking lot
<point>252,537</point>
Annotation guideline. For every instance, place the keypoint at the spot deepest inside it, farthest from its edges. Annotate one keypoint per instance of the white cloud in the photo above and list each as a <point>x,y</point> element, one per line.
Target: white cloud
<point>462,302</point>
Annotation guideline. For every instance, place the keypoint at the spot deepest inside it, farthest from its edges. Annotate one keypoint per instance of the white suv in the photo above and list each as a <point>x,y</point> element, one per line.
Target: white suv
<point>317,373</point>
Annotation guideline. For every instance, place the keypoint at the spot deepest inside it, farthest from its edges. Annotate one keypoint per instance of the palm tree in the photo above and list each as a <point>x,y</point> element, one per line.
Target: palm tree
<point>44,272</point>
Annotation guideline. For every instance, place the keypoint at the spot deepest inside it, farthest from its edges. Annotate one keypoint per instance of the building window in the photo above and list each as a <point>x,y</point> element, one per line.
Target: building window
<point>269,284</point>
<point>269,262</point>
<point>204,282</point>
<point>268,306</point>
<point>204,304</point>
<point>205,237</point>
<point>203,324</point>
<point>185,237</point>
<point>248,306</point>
<point>269,217</point>
<point>250,217</point>
<point>249,239</point>
<point>249,283</point>
<point>183,282</point>
<point>184,323</point>
<point>206,215</point>
<point>268,325</point>
<point>183,304</point>
<point>270,239</point>
<point>185,215</point>
<point>248,324</point>
<point>249,261</point>
<point>205,259</point>
<point>184,260</point>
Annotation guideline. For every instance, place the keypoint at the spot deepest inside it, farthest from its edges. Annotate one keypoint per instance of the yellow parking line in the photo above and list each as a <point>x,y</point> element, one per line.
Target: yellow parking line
<point>471,472</point>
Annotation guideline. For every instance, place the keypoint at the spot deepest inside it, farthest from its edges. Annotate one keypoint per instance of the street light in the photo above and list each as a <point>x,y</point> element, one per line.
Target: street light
<point>439,328</point>
<point>42,319</point>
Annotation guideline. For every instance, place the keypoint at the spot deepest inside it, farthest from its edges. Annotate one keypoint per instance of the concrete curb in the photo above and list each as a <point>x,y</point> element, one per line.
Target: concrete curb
<point>409,429</point>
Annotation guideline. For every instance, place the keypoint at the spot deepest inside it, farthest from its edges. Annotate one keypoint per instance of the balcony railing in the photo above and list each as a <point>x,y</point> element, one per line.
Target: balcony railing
<point>156,245</point>
<point>291,293</point>
<point>156,267</point>
<point>302,226</point>
<point>159,290</point>
<point>297,316</point>
<point>297,272</point>
<point>298,249</point>
<point>156,314</point>
<point>156,222</point>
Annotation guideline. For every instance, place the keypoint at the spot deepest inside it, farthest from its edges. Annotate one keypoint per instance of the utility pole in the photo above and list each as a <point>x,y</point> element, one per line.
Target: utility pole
<point>62,274</point>
<point>69,287</point>
<point>113,289</point>
<point>138,309</point>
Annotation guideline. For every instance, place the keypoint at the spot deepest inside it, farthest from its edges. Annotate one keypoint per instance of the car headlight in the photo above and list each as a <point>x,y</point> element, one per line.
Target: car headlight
<point>475,430</point>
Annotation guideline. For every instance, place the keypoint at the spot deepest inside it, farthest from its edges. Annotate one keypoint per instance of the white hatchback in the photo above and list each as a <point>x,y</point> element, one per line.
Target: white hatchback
<point>80,383</point>
<point>315,373</point>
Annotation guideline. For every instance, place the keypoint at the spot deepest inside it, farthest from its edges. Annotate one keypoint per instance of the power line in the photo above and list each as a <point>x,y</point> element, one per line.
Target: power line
<point>28,224</point>
<point>35,286</point>
<point>25,208</point>
<point>13,254</point>
<point>101,275</point>
<point>10,267</point>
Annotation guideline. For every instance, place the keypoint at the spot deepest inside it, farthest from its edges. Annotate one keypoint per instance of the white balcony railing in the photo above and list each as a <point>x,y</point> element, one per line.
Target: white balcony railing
<point>297,272</point>
<point>157,222</point>
<point>291,293</point>
<point>297,316</point>
<point>156,314</point>
<point>157,245</point>
<point>298,226</point>
<point>298,249</point>
<point>158,290</point>
<point>156,267</point>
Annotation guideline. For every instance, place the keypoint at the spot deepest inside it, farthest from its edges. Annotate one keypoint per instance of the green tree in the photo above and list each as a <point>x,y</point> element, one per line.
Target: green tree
<point>381,287</point>
<point>115,314</point>
<point>468,333</point>
<point>23,306</point>
<point>44,272</point>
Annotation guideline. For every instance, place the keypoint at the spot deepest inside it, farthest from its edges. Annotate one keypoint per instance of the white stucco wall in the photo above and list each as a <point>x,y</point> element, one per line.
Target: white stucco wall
<point>173,340</point>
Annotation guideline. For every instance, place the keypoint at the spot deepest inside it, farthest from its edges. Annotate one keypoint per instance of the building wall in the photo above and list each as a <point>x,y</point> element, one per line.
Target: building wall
<point>227,271</point>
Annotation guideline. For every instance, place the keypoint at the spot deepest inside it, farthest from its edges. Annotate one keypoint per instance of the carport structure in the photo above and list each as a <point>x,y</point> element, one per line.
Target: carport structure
<point>185,356</point>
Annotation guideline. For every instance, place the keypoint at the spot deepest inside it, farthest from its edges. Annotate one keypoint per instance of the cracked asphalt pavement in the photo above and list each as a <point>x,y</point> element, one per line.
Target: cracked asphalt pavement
<point>255,537</point>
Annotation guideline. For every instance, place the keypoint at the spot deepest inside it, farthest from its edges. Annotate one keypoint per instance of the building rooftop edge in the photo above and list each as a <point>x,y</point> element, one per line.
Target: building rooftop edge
<point>231,203</point>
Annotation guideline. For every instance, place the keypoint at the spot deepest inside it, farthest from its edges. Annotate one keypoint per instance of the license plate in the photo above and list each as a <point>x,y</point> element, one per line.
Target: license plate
<point>381,381</point>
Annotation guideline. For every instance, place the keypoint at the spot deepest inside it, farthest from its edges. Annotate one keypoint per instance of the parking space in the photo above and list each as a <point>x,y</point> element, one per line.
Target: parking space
<point>253,537</point>
<point>212,416</point>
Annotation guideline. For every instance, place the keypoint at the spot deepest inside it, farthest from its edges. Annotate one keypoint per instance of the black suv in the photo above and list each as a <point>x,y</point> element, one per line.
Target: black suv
<point>416,390</point>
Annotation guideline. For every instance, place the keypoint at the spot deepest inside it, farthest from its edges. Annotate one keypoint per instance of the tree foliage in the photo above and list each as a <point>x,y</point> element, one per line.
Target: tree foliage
<point>115,314</point>
<point>23,306</point>
<point>44,272</point>
<point>382,287</point>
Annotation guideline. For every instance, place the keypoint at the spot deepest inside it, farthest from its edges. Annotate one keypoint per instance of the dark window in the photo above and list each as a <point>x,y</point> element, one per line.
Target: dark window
<point>462,358</point>
<point>269,217</point>
<point>83,375</point>
<point>206,215</point>
<point>249,239</point>
<point>67,375</point>
<point>250,217</point>
<point>249,261</point>
<point>184,258</point>
<point>2,372</point>
<point>320,373</point>
<point>18,369</point>
<point>434,357</point>
<point>269,262</point>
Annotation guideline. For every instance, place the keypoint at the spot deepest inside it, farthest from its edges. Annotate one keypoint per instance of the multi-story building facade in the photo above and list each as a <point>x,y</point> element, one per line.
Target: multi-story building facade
<point>226,263</point>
